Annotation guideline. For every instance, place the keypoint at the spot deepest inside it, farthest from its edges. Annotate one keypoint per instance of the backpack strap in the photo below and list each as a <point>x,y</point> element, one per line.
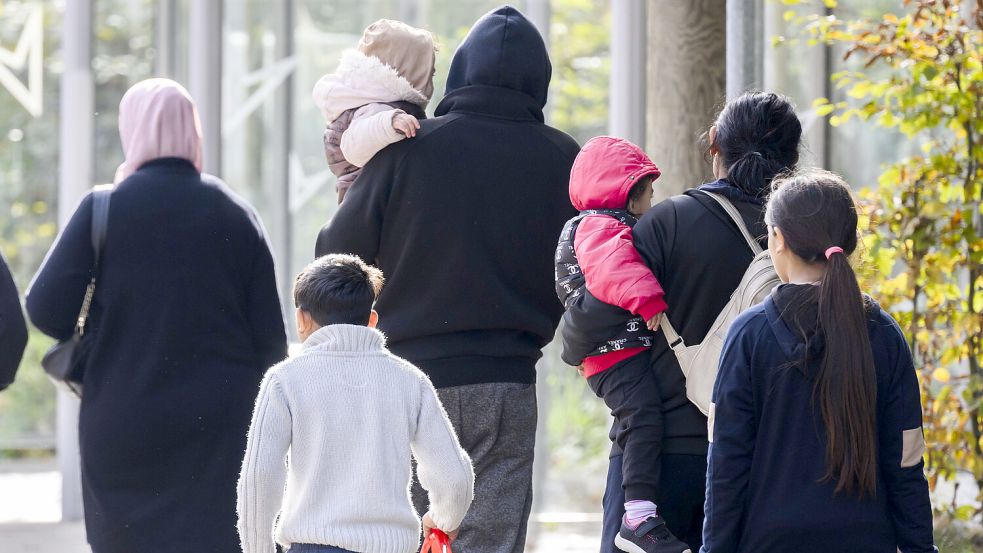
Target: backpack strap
<point>675,340</point>
<point>738,220</point>
<point>673,337</point>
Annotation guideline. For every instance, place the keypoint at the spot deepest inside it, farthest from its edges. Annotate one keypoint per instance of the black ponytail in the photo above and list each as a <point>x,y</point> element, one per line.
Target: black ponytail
<point>758,134</point>
<point>815,212</point>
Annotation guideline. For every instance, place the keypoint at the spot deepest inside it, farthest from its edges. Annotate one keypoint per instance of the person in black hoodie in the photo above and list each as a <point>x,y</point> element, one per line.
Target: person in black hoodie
<point>699,255</point>
<point>816,422</point>
<point>463,220</point>
<point>13,329</point>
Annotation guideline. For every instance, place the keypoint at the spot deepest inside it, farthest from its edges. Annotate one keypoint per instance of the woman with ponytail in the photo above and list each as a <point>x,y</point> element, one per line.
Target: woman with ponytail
<point>815,430</point>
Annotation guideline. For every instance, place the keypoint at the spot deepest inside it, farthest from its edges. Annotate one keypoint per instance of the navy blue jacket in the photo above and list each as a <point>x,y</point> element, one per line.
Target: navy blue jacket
<point>185,320</point>
<point>463,218</point>
<point>13,330</point>
<point>765,488</point>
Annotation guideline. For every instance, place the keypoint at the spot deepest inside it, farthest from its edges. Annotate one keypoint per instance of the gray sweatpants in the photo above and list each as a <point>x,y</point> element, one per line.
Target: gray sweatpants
<point>496,424</point>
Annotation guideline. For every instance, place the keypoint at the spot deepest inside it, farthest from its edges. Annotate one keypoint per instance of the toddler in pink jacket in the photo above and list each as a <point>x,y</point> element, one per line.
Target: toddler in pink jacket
<point>376,96</point>
<point>600,276</point>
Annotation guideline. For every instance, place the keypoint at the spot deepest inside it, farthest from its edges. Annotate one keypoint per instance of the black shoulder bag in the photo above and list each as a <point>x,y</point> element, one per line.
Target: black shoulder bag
<point>65,361</point>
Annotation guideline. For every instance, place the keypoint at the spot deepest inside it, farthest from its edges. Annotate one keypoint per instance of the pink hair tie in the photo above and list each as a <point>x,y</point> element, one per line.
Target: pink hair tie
<point>834,249</point>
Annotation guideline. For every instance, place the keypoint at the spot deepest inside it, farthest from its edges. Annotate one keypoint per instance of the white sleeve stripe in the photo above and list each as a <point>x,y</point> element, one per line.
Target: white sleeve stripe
<point>913,447</point>
<point>710,418</point>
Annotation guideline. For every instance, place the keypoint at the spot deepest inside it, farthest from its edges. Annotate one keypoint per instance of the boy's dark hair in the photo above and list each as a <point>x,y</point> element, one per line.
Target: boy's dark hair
<point>338,289</point>
<point>639,188</point>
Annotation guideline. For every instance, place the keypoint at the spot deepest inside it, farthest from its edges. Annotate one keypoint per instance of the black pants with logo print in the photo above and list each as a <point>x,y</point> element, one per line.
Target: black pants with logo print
<point>630,390</point>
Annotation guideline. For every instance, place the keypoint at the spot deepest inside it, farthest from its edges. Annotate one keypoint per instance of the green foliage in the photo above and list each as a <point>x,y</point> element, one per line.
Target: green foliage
<point>579,44</point>
<point>925,214</point>
<point>580,53</point>
<point>29,404</point>
<point>28,215</point>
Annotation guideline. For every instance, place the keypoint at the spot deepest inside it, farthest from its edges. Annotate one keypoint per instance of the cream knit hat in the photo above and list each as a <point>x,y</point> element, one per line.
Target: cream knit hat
<point>408,50</point>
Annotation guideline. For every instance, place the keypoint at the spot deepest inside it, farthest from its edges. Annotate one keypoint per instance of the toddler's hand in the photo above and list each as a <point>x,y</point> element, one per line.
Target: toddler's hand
<point>406,124</point>
<point>428,526</point>
<point>654,322</point>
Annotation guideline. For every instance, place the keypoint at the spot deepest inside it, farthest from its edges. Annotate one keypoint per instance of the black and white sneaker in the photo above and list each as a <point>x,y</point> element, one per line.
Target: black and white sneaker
<point>651,536</point>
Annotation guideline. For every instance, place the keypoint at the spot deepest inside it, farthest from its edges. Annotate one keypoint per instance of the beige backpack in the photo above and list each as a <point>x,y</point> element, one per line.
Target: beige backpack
<point>699,362</point>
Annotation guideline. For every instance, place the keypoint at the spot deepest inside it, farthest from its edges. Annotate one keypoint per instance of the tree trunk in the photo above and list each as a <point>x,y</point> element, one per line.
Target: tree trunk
<point>686,80</point>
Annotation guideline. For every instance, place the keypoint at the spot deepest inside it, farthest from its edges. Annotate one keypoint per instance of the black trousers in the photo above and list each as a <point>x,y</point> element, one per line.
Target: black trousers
<point>630,390</point>
<point>681,498</point>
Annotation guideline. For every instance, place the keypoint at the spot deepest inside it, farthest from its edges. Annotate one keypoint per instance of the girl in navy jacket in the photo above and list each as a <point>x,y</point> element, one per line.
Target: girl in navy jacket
<point>815,430</point>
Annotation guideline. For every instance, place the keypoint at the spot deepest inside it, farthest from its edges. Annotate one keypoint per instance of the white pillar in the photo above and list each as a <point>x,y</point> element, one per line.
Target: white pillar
<point>745,46</point>
<point>205,76</point>
<point>278,186</point>
<point>75,178</point>
<point>539,13</point>
<point>626,102</point>
<point>166,28</point>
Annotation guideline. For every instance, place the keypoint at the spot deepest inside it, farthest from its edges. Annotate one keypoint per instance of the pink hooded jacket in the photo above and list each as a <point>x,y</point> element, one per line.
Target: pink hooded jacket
<point>601,178</point>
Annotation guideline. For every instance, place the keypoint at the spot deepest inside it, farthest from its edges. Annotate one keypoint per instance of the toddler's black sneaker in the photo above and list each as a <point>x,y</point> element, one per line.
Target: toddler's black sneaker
<point>651,536</point>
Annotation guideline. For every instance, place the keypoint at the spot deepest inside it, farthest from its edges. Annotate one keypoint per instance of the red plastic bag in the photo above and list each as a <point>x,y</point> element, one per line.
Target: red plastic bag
<point>436,542</point>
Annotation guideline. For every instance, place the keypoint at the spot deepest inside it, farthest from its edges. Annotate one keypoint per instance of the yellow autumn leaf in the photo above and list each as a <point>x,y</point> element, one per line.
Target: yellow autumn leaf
<point>941,374</point>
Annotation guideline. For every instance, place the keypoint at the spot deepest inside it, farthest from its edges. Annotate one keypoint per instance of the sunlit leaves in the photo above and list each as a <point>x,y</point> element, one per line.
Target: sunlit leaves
<point>924,251</point>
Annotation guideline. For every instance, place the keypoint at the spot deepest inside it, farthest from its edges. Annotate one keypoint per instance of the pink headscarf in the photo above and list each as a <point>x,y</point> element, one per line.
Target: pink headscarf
<point>157,118</point>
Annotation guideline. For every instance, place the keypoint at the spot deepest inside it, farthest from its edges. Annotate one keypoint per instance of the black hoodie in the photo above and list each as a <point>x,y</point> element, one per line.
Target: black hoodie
<point>13,329</point>
<point>765,479</point>
<point>463,218</point>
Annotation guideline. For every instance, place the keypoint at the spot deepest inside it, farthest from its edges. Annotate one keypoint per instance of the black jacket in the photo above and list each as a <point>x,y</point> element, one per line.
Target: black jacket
<point>766,490</point>
<point>699,256</point>
<point>13,330</point>
<point>185,320</point>
<point>463,218</point>
<point>626,330</point>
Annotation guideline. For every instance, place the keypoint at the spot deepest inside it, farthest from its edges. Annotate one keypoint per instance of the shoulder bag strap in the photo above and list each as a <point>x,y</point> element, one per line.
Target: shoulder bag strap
<point>673,337</point>
<point>738,220</point>
<point>100,222</point>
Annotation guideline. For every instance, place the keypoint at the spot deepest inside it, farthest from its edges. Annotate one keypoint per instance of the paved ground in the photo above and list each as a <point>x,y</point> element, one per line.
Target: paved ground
<point>30,514</point>
<point>47,537</point>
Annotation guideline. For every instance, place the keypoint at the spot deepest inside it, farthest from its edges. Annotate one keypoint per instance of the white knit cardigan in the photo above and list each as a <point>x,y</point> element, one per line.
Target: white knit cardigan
<point>350,414</point>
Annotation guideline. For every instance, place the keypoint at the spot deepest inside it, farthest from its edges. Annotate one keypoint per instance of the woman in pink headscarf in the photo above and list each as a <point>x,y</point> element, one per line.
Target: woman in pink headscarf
<point>184,322</point>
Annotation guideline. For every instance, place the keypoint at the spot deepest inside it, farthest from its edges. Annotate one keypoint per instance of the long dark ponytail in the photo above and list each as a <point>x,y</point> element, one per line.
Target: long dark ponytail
<point>815,212</point>
<point>758,136</point>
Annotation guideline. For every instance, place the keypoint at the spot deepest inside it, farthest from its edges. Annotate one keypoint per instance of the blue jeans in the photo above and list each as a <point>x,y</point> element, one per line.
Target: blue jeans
<point>316,548</point>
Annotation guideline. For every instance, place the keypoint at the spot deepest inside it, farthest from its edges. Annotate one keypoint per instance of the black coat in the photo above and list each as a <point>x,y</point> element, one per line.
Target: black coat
<point>185,321</point>
<point>13,330</point>
<point>699,256</point>
<point>463,218</point>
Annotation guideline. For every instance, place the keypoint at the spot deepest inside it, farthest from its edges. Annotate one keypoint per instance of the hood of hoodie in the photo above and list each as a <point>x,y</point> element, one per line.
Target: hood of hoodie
<point>503,49</point>
<point>793,314</point>
<point>605,171</point>
<point>359,80</point>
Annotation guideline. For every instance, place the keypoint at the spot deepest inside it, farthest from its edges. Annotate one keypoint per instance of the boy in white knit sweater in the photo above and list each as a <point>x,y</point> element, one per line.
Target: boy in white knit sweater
<point>349,414</point>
